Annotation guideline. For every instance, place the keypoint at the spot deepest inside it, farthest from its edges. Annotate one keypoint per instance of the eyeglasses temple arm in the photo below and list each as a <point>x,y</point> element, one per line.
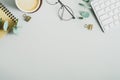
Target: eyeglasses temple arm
<point>66,9</point>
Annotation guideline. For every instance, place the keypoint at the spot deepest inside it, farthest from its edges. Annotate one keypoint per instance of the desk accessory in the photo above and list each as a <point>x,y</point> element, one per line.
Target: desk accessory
<point>89,26</point>
<point>26,17</point>
<point>28,6</point>
<point>107,12</point>
<point>62,9</point>
<point>7,20</point>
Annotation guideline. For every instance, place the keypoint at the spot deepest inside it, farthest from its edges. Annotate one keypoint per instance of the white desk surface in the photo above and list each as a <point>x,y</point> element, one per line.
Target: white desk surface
<point>50,49</point>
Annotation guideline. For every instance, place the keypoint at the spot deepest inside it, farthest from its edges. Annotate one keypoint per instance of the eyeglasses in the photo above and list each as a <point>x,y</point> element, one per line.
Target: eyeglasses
<point>64,12</point>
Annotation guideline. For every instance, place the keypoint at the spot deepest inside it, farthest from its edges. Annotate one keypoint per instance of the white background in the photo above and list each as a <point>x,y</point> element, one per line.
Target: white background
<point>50,49</point>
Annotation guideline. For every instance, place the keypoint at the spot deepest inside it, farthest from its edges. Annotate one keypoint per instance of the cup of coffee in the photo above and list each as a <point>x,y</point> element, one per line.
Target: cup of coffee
<point>28,6</point>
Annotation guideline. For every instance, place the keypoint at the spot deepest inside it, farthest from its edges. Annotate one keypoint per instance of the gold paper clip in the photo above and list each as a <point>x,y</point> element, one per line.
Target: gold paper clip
<point>26,17</point>
<point>89,26</point>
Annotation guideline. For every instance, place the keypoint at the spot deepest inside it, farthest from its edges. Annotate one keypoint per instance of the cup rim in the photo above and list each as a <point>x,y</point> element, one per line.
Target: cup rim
<point>36,9</point>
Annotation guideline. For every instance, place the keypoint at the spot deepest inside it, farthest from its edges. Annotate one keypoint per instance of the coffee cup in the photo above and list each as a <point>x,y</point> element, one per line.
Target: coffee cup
<point>28,6</point>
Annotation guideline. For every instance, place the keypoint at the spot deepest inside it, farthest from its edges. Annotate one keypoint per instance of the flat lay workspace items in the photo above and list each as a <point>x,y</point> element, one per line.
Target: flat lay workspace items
<point>48,48</point>
<point>8,20</point>
<point>106,16</point>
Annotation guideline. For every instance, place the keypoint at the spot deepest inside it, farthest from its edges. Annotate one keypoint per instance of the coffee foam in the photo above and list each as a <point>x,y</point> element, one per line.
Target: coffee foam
<point>28,5</point>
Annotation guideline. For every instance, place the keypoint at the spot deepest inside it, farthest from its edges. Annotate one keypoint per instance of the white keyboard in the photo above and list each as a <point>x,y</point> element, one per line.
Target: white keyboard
<point>107,13</point>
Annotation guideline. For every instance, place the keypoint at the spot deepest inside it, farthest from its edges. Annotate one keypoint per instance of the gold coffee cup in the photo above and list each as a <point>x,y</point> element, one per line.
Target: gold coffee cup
<point>28,6</point>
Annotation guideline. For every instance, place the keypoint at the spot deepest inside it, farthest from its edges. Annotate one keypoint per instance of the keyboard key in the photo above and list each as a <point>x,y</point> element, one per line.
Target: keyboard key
<point>112,6</point>
<point>107,21</point>
<point>100,1</point>
<point>117,23</point>
<point>116,17</point>
<point>113,1</point>
<point>102,5</point>
<point>97,8</point>
<point>112,25</point>
<point>117,4</point>
<point>111,13</point>
<point>101,12</point>
<point>107,9</point>
<point>107,3</point>
<point>106,28</point>
<point>116,11</point>
<point>103,17</point>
